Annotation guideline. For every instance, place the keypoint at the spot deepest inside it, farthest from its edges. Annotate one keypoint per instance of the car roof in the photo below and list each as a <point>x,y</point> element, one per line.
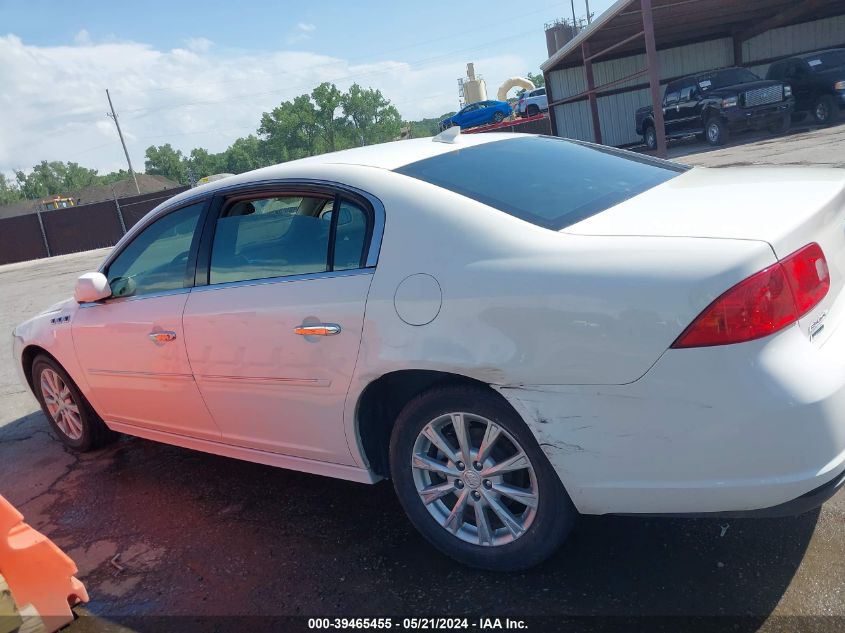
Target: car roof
<point>388,156</point>
<point>814,53</point>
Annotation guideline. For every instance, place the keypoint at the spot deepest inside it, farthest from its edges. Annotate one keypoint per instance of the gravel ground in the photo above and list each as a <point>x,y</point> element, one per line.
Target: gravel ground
<point>200,535</point>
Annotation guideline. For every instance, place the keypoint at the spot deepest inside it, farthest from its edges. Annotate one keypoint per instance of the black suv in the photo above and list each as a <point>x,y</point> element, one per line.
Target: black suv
<point>817,80</point>
<point>711,105</point>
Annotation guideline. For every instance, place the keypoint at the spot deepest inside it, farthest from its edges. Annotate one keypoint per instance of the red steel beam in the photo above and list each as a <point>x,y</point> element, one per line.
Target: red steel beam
<point>654,76</point>
<point>591,91</point>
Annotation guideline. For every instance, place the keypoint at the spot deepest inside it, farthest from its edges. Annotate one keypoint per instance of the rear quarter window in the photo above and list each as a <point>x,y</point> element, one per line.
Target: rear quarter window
<point>548,181</point>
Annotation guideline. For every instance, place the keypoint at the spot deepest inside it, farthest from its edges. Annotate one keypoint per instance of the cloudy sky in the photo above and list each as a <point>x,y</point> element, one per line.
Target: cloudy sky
<point>199,74</point>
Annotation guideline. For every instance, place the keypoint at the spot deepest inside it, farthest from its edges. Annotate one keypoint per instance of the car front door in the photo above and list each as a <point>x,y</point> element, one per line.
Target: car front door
<point>273,329</point>
<point>800,78</point>
<point>689,103</point>
<point>131,346</point>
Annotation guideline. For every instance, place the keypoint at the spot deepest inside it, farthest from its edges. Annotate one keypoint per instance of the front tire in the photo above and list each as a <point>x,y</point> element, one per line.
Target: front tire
<point>650,137</point>
<point>825,110</point>
<point>490,499</point>
<point>498,117</point>
<point>532,110</point>
<point>72,417</point>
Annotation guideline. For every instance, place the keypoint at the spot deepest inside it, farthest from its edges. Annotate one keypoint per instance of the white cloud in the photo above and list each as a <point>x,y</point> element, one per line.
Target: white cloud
<point>54,103</point>
<point>82,38</point>
<point>306,27</point>
<point>198,44</point>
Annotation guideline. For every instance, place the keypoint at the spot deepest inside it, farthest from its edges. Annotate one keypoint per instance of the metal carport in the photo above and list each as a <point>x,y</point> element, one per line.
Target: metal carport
<point>631,28</point>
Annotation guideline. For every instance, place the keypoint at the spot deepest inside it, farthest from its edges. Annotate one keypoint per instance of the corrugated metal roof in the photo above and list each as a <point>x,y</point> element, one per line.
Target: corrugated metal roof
<point>685,21</point>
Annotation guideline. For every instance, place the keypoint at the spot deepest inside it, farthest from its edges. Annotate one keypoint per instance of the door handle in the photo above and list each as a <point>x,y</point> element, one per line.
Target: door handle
<point>323,329</point>
<point>162,337</point>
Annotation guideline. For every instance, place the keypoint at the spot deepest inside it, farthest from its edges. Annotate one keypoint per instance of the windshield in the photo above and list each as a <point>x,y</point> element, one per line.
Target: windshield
<point>827,60</point>
<point>548,181</point>
<point>723,78</point>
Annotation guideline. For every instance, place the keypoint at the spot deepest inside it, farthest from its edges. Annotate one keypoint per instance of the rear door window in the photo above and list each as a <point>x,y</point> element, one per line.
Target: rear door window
<point>548,181</point>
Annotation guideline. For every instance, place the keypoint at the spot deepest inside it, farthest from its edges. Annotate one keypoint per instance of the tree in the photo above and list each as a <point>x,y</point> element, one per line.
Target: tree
<point>371,116</point>
<point>243,155</point>
<point>52,178</point>
<point>165,161</point>
<point>327,98</point>
<point>9,192</point>
<point>202,163</point>
<point>538,80</point>
<point>290,129</point>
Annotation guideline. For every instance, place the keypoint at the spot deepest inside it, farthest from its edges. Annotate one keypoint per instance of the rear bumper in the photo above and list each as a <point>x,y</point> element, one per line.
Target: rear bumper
<point>750,429</point>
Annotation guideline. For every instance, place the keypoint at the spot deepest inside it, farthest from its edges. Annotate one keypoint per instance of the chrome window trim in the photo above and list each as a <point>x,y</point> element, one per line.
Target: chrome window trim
<point>329,274</point>
<point>167,206</point>
<point>151,295</point>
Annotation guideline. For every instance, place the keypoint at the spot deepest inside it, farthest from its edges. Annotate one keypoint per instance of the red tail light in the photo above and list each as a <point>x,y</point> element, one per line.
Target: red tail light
<point>764,303</point>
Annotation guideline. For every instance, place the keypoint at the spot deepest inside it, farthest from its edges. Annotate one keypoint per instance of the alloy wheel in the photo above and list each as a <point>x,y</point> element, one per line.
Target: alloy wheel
<point>475,479</point>
<point>61,405</point>
<point>713,132</point>
<point>821,112</point>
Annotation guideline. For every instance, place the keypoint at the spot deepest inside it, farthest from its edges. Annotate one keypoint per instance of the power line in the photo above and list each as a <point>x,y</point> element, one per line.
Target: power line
<point>353,60</point>
<point>411,65</point>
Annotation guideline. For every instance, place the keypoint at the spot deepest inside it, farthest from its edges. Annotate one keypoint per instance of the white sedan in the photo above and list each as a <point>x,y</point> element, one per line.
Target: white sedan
<point>514,329</point>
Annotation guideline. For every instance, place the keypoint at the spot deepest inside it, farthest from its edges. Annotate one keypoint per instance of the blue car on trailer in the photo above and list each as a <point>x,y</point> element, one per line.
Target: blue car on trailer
<point>478,113</point>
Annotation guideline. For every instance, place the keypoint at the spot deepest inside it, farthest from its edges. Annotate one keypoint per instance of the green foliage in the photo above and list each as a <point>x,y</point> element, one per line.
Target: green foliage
<point>166,161</point>
<point>9,192</point>
<point>324,121</point>
<point>48,179</point>
<point>538,80</point>
<point>427,127</point>
<point>370,115</point>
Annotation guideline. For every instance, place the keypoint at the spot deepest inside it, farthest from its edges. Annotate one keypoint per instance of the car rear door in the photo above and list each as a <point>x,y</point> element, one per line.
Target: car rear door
<point>131,346</point>
<point>671,110</point>
<point>274,324</point>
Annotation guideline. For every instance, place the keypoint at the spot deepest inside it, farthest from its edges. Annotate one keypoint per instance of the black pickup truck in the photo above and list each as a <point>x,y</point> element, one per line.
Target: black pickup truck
<point>818,82</point>
<point>711,105</point>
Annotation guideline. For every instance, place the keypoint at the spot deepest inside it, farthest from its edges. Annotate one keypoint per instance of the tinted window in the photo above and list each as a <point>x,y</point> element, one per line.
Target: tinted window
<point>270,237</point>
<point>671,98</point>
<point>157,259</point>
<point>723,78</point>
<point>827,60</point>
<point>540,92</point>
<point>548,181</point>
<point>778,70</point>
<point>687,93</point>
<point>350,237</point>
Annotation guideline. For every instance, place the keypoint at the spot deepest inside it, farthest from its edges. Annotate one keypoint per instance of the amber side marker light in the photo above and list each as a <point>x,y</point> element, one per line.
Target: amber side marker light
<point>763,304</point>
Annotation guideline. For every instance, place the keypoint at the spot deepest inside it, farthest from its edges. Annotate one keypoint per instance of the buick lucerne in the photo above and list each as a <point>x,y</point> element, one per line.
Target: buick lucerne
<point>514,329</point>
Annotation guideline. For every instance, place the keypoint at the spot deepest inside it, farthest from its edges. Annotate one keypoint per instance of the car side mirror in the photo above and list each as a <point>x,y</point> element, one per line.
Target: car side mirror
<point>91,287</point>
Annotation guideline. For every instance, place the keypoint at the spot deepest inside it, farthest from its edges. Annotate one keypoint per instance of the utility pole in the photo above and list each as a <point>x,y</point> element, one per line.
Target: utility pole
<point>589,17</point>
<point>113,115</point>
<point>574,22</point>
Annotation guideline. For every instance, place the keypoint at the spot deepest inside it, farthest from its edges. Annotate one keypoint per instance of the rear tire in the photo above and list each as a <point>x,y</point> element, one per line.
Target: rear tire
<point>498,117</point>
<point>490,529</point>
<point>72,417</point>
<point>532,110</point>
<point>825,111</point>
<point>716,131</point>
